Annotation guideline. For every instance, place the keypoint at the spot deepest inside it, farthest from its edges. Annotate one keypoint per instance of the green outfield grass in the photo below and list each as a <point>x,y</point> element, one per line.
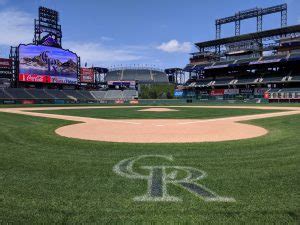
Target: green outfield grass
<point>50,179</point>
<point>134,113</point>
<point>158,103</point>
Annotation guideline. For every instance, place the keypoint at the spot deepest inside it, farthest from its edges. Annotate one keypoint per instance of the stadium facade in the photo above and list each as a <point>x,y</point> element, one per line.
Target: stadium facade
<point>263,64</point>
<point>259,65</point>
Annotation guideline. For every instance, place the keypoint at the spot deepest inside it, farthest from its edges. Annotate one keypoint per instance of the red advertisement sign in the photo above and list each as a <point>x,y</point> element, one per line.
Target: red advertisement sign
<point>216,92</point>
<point>34,78</point>
<point>87,75</point>
<point>134,102</point>
<point>27,102</point>
<point>5,63</point>
<point>120,101</point>
<point>266,95</point>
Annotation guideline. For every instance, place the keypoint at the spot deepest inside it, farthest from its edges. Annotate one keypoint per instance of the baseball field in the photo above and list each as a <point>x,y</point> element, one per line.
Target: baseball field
<point>150,165</point>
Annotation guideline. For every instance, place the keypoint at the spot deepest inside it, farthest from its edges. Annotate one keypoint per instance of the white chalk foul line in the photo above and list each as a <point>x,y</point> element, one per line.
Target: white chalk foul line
<point>202,121</point>
<point>66,117</point>
<point>244,118</point>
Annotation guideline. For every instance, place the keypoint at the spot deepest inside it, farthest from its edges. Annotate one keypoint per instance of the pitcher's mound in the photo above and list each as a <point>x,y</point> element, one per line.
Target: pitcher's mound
<point>158,110</point>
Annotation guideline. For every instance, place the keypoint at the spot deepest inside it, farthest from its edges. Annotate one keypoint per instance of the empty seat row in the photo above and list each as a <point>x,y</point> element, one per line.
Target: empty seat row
<point>115,94</point>
<point>44,94</point>
<point>141,75</point>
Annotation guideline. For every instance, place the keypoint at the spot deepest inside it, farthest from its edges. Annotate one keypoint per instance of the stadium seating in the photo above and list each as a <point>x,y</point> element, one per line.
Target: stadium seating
<point>294,56</point>
<point>140,75</point>
<point>129,75</point>
<point>98,94</point>
<point>39,94</point>
<point>159,77</point>
<point>222,82</point>
<point>273,57</point>
<point>289,90</point>
<point>74,94</point>
<point>272,79</point>
<point>114,94</point>
<point>295,79</point>
<point>113,75</point>
<point>189,68</point>
<point>143,76</point>
<point>129,94</point>
<point>246,61</point>
<point>244,81</point>
<point>4,94</point>
<point>221,63</point>
<point>203,83</point>
<point>87,94</point>
<point>201,66</point>
<point>19,93</point>
<point>57,94</point>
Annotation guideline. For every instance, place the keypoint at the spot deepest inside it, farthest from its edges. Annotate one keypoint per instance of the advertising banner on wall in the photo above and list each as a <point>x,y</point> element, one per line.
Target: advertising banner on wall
<point>5,63</point>
<point>217,92</point>
<point>267,95</point>
<point>129,84</point>
<point>178,93</point>
<point>231,91</point>
<point>246,91</point>
<point>87,75</point>
<point>46,64</point>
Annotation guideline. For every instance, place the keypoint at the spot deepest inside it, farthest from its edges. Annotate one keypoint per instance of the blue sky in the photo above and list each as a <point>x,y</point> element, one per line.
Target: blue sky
<point>127,32</point>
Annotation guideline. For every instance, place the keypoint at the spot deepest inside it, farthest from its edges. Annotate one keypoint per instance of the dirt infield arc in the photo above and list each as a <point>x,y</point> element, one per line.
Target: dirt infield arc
<point>160,130</point>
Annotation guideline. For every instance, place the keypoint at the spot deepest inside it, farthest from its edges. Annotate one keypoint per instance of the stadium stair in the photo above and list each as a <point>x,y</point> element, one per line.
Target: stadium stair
<point>8,94</point>
<point>47,93</point>
<point>30,94</point>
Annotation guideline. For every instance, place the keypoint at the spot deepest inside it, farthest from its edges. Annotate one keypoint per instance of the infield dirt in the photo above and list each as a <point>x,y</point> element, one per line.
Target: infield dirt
<point>160,130</point>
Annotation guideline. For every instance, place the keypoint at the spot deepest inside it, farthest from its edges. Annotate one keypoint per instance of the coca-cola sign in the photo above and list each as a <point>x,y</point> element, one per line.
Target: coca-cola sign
<point>34,78</point>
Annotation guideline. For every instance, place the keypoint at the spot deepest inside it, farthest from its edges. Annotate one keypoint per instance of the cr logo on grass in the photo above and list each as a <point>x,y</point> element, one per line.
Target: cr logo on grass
<point>158,178</point>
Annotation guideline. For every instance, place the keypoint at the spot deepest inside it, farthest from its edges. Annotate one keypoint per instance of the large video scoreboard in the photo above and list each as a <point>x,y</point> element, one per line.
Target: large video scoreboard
<point>44,64</point>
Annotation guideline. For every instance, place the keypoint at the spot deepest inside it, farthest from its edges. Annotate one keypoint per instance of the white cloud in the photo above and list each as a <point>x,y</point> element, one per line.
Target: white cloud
<point>96,53</point>
<point>175,46</point>
<point>16,27</point>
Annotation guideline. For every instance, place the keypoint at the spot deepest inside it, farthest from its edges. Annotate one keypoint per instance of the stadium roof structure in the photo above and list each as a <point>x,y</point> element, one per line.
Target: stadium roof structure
<point>257,13</point>
<point>265,60</point>
<point>273,34</point>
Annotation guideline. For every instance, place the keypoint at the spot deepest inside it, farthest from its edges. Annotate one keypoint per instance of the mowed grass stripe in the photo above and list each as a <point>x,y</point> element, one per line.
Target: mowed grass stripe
<point>134,113</point>
<point>47,178</point>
